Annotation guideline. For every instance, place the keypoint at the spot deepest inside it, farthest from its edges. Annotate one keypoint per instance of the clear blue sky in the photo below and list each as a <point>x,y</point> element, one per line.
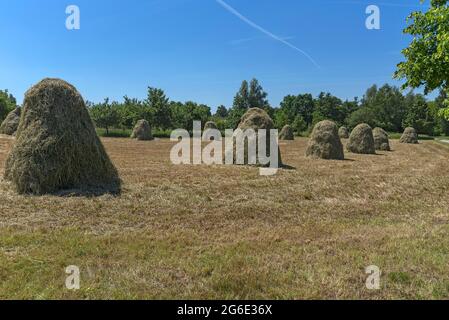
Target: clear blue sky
<point>197,50</point>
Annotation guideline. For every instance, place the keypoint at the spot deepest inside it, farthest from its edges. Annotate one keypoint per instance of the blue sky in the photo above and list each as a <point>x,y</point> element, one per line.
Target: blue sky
<point>197,50</point>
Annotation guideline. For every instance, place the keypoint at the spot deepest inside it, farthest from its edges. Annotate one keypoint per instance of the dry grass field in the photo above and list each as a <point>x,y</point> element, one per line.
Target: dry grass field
<point>226,232</point>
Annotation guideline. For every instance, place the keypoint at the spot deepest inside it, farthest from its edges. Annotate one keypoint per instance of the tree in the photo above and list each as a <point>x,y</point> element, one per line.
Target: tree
<point>160,108</point>
<point>248,96</point>
<point>300,105</point>
<point>299,124</point>
<point>386,105</point>
<point>185,113</point>
<point>7,103</point>
<point>418,114</point>
<point>257,97</point>
<point>328,107</point>
<point>105,115</point>
<point>427,57</point>
<point>222,112</point>
<point>133,110</point>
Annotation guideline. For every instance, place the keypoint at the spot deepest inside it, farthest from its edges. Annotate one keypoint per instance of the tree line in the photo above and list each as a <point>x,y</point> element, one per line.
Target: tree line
<point>386,107</point>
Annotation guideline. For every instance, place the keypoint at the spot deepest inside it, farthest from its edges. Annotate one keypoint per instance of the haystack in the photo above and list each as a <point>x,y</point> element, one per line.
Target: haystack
<point>381,141</point>
<point>257,119</point>
<point>210,125</point>
<point>142,131</point>
<point>286,133</point>
<point>11,123</point>
<point>410,136</point>
<point>57,149</point>
<point>361,140</point>
<point>343,132</point>
<point>325,143</point>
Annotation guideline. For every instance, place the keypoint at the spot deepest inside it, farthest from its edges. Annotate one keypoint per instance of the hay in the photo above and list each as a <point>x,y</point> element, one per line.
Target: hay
<point>361,140</point>
<point>325,143</point>
<point>210,125</point>
<point>57,148</point>
<point>11,123</point>
<point>381,141</point>
<point>343,133</point>
<point>256,119</point>
<point>410,136</point>
<point>142,131</point>
<point>287,133</point>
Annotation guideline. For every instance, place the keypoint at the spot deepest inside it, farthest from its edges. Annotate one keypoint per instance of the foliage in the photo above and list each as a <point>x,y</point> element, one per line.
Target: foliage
<point>427,57</point>
<point>105,115</point>
<point>160,107</point>
<point>7,103</point>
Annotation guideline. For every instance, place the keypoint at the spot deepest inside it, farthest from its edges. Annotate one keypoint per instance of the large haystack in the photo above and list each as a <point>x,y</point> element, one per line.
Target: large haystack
<point>410,136</point>
<point>11,123</point>
<point>361,140</point>
<point>325,143</point>
<point>142,131</point>
<point>381,141</point>
<point>257,119</point>
<point>287,133</point>
<point>57,148</point>
<point>343,132</point>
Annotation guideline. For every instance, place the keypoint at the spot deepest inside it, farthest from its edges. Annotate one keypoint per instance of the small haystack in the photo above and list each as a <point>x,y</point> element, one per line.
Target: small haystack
<point>410,136</point>
<point>11,123</point>
<point>57,148</point>
<point>287,133</point>
<point>381,141</point>
<point>343,133</point>
<point>210,125</point>
<point>257,119</point>
<point>361,140</point>
<point>142,131</point>
<point>325,143</point>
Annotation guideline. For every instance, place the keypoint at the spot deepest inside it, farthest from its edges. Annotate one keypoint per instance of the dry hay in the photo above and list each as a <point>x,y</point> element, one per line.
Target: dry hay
<point>257,119</point>
<point>409,136</point>
<point>325,142</point>
<point>57,149</point>
<point>142,131</point>
<point>381,141</point>
<point>343,133</point>
<point>361,140</point>
<point>11,123</point>
<point>210,125</point>
<point>287,133</point>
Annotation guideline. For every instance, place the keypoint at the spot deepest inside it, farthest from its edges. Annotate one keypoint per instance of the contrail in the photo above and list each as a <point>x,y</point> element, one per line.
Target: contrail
<point>268,33</point>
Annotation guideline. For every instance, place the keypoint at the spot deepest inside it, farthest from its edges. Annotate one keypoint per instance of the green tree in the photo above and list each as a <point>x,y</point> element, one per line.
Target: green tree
<point>105,115</point>
<point>302,105</point>
<point>427,57</point>
<point>248,96</point>
<point>386,105</point>
<point>328,107</point>
<point>7,103</point>
<point>257,96</point>
<point>222,112</point>
<point>160,108</point>
<point>418,114</point>
<point>133,110</point>
<point>299,125</point>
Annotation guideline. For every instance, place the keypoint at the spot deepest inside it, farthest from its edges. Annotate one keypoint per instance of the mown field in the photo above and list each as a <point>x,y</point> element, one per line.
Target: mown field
<point>226,232</point>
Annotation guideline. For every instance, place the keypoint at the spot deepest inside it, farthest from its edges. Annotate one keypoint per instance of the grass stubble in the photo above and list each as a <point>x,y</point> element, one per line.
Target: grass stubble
<point>224,232</point>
